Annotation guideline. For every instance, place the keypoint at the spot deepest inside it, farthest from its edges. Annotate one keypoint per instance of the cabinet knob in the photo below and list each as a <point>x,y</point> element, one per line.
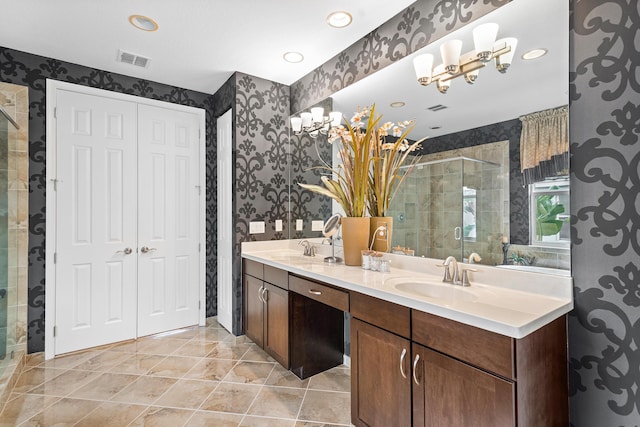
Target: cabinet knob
<point>402,355</point>
<point>415,363</point>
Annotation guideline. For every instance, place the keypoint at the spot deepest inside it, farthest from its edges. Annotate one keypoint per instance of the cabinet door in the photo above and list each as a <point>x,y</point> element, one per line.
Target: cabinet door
<point>447,392</point>
<point>276,318</point>
<point>254,324</point>
<point>380,377</point>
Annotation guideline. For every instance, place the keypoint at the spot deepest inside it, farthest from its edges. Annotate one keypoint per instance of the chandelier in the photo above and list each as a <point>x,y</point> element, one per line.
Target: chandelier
<point>315,122</point>
<point>469,64</point>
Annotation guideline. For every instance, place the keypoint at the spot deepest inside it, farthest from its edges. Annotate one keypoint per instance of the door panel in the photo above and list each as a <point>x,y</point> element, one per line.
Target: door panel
<point>95,279</point>
<point>452,393</point>
<point>168,171</point>
<point>380,377</point>
<point>225,221</point>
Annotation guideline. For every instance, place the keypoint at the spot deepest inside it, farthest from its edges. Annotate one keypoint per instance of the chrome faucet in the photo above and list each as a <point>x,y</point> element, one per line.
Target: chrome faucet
<point>474,258</point>
<point>448,277</point>
<point>309,249</point>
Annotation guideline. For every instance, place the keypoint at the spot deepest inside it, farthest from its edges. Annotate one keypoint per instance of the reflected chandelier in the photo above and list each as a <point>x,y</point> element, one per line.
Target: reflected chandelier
<point>315,122</point>
<point>468,65</point>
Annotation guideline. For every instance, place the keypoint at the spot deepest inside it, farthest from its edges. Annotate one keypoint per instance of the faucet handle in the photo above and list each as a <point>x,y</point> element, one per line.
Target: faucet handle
<point>447,273</point>
<point>465,276</point>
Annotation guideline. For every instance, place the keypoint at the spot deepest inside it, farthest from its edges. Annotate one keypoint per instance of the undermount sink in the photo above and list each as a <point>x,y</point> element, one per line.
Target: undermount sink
<point>438,291</point>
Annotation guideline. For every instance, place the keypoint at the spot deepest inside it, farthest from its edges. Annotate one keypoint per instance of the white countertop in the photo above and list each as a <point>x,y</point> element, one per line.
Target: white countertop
<point>509,302</point>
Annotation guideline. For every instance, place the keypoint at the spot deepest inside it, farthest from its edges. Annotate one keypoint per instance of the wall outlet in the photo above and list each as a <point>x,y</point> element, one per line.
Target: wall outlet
<point>278,225</point>
<point>317,225</point>
<point>256,227</point>
<point>299,224</point>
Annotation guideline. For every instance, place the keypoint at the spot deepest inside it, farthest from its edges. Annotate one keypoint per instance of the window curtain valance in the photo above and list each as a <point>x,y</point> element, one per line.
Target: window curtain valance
<point>544,144</point>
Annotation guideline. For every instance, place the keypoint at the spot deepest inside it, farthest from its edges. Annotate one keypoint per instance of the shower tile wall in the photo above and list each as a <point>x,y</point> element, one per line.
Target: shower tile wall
<point>14,99</point>
<point>430,203</point>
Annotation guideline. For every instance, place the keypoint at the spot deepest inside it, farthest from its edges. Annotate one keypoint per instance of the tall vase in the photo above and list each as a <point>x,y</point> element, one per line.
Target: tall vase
<point>355,238</point>
<point>382,239</point>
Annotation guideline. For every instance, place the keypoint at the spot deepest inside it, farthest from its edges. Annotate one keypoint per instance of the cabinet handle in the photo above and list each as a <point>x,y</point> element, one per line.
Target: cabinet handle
<point>260,292</point>
<point>404,353</point>
<point>311,291</point>
<point>265,295</point>
<point>415,362</point>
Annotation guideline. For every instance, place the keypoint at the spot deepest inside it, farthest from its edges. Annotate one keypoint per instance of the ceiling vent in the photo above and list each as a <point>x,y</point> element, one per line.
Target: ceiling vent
<point>133,59</point>
<point>437,107</point>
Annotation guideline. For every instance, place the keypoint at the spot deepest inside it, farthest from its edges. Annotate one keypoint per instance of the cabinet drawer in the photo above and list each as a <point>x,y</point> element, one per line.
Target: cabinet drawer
<point>384,314</point>
<point>277,277</point>
<point>253,268</point>
<point>486,350</point>
<point>322,293</point>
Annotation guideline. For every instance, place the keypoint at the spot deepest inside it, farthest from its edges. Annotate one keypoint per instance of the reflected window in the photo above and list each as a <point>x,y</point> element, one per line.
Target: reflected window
<point>469,196</point>
<point>549,202</point>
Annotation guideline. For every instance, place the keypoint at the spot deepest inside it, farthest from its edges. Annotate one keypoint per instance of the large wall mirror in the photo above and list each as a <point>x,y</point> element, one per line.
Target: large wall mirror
<point>470,160</point>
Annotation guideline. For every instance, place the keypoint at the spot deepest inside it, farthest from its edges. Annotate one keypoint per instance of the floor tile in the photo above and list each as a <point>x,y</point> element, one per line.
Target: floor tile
<point>284,378</point>
<point>196,349</point>
<point>233,351</point>
<point>65,383</point>
<point>103,361</point>
<point>211,369</point>
<point>336,379</point>
<point>22,407</point>
<point>187,394</point>
<point>250,372</point>
<point>112,414</point>
<point>34,377</point>
<point>158,346</point>
<point>277,402</point>
<point>197,376</point>
<point>162,417</point>
<point>252,421</point>
<point>64,412</point>
<point>257,354</point>
<point>326,406</point>
<point>217,419</point>
<point>104,387</point>
<point>137,364</point>
<point>173,366</point>
<point>144,390</point>
<point>230,397</point>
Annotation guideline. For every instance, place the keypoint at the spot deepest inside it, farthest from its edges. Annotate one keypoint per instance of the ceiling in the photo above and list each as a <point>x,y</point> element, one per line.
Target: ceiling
<point>528,86</point>
<point>199,43</point>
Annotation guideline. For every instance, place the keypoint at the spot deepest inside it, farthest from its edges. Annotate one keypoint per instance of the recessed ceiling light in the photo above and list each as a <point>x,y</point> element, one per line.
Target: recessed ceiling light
<point>293,57</point>
<point>339,19</point>
<point>143,23</point>
<point>534,54</point>
<point>397,104</point>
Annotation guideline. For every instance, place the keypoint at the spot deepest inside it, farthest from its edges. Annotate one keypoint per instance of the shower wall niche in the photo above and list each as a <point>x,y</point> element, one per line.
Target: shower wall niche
<point>455,203</point>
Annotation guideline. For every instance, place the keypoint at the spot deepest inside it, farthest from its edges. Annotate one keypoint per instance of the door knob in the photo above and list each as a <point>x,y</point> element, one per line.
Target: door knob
<point>145,249</point>
<point>126,251</point>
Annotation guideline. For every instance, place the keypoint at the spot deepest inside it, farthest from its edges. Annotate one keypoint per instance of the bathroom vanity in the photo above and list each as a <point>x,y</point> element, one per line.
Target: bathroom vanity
<point>422,352</point>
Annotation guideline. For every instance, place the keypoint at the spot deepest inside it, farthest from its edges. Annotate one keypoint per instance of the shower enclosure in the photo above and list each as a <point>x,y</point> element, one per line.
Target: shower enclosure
<point>8,243</point>
<point>453,206</point>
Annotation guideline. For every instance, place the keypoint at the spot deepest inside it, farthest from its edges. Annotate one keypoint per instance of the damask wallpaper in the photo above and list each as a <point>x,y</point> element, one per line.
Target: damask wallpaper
<point>604,120</point>
<point>261,182</point>
<point>32,71</point>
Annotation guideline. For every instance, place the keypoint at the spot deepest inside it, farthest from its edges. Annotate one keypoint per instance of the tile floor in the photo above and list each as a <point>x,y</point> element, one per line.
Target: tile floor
<point>201,376</point>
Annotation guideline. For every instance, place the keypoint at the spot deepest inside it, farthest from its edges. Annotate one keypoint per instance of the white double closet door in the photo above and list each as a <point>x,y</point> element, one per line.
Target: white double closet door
<point>127,220</point>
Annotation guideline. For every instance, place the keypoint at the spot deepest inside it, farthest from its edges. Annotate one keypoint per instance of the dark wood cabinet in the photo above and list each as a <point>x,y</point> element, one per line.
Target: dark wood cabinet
<point>447,392</point>
<point>253,310</point>
<point>446,373</point>
<point>266,309</point>
<point>380,377</point>
<point>276,323</point>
